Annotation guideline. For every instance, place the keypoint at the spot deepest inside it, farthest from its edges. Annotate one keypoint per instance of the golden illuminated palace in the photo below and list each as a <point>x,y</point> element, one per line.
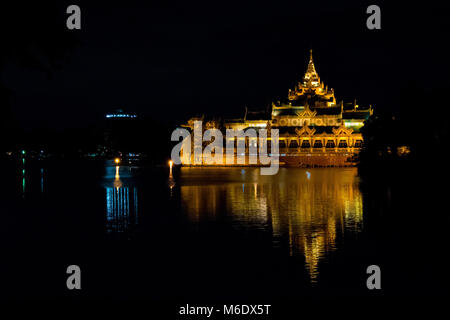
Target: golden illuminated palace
<point>314,129</point>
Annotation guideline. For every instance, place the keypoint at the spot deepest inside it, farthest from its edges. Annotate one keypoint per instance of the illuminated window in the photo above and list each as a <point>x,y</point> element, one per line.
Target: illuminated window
<point>293,144</point>
<point>358,143</point>
<point>305,144</point>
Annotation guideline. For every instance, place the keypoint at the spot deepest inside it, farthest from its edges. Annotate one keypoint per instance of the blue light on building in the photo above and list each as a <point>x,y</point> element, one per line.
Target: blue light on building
<point>121,115</point>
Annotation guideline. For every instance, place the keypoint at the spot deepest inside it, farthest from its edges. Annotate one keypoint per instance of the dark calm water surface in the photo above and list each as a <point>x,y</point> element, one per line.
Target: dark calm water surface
<point>213,233</point>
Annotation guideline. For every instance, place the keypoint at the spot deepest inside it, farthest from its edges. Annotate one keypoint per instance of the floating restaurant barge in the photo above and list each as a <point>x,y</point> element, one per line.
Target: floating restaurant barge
<point>314,129</point>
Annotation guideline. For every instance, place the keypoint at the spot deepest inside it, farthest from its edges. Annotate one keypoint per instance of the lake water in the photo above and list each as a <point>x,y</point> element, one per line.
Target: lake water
<point>306,212</point>
<point>208,233</point>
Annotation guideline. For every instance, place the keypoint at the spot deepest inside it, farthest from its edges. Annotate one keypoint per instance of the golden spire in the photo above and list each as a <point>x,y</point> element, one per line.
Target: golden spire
<point>311,77</point>
<point>311,63</point>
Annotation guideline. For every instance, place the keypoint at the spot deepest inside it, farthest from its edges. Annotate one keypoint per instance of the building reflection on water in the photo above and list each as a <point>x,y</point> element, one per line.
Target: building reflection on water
<point>307,210</point>
<point>121,199</point>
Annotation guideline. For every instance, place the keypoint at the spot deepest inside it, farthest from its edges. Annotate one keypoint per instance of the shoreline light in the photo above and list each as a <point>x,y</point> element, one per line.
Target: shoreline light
<point>170,166</point>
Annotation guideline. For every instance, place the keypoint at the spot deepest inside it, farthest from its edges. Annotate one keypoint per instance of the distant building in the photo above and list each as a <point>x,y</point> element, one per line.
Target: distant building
<point>120,114</point>
<point>120,132</point>
<point>314,129</point>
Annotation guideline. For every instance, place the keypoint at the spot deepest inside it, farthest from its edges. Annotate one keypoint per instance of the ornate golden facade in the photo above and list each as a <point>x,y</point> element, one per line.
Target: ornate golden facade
<point>314,129</point>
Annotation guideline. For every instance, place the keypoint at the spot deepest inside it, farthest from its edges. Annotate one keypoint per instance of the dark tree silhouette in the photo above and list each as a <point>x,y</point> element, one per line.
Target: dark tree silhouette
<point>421,123</point>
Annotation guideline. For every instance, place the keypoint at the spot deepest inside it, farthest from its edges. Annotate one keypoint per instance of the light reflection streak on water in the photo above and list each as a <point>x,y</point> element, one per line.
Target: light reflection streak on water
<point>306,212</point>
<point>23,178</point>
<point>42,180</point>
<point>121,200</point>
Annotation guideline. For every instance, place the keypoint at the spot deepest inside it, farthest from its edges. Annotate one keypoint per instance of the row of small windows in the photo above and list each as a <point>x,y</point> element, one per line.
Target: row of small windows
<point>306,144</point>
<point>318,144</point>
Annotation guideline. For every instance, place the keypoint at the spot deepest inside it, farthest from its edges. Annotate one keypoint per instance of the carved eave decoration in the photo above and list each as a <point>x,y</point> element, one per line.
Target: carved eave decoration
<point>322,135</point>
<point>307,113</point>
<point>305,131</point>
<point>342,131</point>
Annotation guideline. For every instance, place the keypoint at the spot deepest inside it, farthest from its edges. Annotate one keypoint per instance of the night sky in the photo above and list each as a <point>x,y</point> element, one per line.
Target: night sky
<point>172,60</point>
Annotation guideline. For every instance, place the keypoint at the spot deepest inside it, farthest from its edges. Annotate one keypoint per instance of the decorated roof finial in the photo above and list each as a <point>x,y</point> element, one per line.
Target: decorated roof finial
<point>311,75</point>
<point>311,69</point>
